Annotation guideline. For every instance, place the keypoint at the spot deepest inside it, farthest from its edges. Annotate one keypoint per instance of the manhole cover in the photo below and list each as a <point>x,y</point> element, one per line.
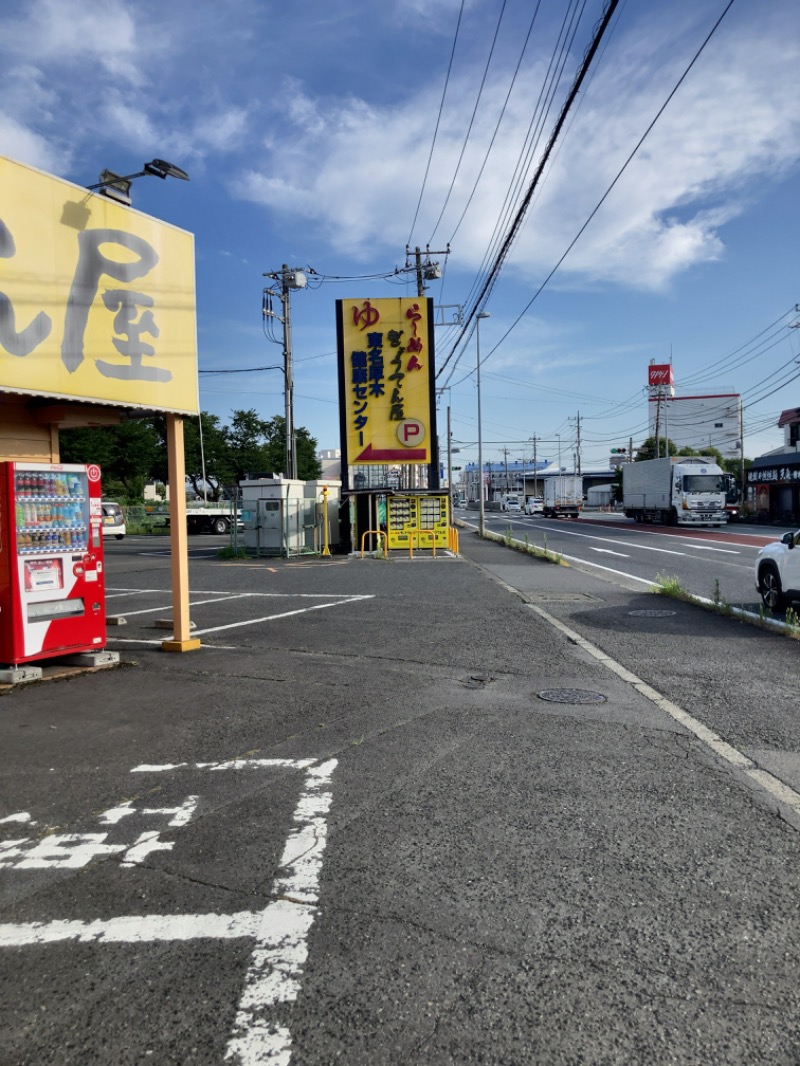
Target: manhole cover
<point>652,613</point>
<point>571,695</point>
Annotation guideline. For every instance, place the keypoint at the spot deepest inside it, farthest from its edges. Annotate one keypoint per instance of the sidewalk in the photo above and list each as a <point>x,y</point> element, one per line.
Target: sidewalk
<point>527,857</point>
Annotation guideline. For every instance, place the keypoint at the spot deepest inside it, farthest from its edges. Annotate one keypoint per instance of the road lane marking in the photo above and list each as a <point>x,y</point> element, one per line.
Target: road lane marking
<point>608,551</point>
<point>280,930</point>
<point>612,540</point>
<point>707,548</point>
<point>609,570</point>
<point>765,780</point>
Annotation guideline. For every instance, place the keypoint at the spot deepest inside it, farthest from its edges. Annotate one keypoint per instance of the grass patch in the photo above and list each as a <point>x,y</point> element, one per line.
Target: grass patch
<point>232,553</point>
<point>667,585</point>
<point>527,548</point>
<point>670,585</point>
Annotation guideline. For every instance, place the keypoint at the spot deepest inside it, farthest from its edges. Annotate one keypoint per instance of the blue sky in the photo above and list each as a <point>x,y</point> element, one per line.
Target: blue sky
<point>319,135</point>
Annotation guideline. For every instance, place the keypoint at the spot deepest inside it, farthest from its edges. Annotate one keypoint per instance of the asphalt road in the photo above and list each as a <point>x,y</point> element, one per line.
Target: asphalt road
<point>463,811</point>
<point>708,562</point>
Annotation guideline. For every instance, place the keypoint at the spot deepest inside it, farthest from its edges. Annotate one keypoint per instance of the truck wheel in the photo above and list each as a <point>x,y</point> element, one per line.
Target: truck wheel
<point>673,517</point>
<point>769,587</point>
<point>219,525</point>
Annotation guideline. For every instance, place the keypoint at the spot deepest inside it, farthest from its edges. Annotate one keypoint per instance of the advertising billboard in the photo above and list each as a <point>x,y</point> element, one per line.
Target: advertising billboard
<point>386,380</point>
<point>97,301</point>
<point>660,374</point>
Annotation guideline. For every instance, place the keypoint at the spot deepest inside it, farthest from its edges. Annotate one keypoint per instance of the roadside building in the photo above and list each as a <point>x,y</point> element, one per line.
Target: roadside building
<point>773,480</point>
<point>692,420</point>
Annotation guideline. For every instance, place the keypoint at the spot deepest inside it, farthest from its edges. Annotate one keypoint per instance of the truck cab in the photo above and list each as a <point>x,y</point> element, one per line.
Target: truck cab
<point>701,494</point>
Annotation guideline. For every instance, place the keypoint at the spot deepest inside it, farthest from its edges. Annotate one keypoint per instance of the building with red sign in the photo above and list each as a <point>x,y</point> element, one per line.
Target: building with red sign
<point>696,421</point>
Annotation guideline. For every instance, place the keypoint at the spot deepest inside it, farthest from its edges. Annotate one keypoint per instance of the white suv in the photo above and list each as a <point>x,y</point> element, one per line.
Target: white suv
<point>778,572</point>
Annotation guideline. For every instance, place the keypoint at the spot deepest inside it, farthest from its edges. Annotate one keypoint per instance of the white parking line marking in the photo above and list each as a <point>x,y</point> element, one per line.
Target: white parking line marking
<point>229,764</point>
<point>239,625</point>
<point>136,929</point>
<point>192,603</point>
<point>280,930</point>
<point>264,595</point>
<point>275,617</point>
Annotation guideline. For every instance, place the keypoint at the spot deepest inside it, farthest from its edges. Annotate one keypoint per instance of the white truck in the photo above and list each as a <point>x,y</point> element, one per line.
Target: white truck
<point>675,490</point>
<point>209,518</point>
<point>563,496</point>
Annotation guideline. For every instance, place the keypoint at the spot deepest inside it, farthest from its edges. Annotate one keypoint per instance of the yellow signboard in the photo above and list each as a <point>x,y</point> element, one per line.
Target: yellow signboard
<point>386,376</point>
<point>97,301</point>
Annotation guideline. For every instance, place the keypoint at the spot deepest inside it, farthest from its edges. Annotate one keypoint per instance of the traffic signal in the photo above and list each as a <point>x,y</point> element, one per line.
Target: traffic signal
<point>619,451</point>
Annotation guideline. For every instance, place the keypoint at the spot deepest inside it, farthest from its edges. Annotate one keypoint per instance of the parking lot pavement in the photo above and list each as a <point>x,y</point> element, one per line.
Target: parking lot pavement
<point>399,813</point>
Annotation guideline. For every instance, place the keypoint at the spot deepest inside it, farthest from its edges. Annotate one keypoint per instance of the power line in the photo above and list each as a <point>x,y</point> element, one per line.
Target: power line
<point>619,174</point>
<point>471,121</point>
<point>522,210</point>
<point>438,120</point>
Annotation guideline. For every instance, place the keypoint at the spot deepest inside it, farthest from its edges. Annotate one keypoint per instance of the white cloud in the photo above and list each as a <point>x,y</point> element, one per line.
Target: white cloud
<point>20,142</point>
<point>70,30</point>
<point>357,169</point>
<point>725,128</point>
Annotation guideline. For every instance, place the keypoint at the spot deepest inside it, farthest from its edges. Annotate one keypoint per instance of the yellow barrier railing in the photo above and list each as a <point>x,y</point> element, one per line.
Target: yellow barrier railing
<point>416,532</point>
<point>452,539</point>
<point>376,533</point>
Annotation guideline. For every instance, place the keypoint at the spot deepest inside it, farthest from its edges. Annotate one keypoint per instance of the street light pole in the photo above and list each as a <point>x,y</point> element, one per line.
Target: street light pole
<point>482,520</point>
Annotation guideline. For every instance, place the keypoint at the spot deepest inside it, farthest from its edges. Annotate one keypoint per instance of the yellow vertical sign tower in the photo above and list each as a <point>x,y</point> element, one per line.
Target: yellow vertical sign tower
<point>386,364</point>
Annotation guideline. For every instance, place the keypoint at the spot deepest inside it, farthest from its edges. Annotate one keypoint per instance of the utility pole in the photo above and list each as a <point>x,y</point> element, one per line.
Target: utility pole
<point>535,470</point>
<point>578,446</point>
<point>449,459</point>
<point>427,271</point>
<point>289,278</point>
<point>658,419</point>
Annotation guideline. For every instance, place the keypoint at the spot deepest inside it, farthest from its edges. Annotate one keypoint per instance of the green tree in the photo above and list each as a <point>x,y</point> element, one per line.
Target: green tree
<point>127,454</point>
<point>309,467</point>
<point>647,450</point>
<point>247,440</point>
<point>211,452</point>
<point>135,451</point>
<point>617,485</point>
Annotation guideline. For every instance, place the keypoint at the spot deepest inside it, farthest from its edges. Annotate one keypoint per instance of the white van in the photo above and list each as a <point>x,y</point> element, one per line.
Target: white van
<point>510,502</point>
<point>113,520</point>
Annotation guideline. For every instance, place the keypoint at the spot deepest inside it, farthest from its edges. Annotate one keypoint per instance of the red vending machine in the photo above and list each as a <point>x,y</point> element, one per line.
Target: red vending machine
<point>52,584</point>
